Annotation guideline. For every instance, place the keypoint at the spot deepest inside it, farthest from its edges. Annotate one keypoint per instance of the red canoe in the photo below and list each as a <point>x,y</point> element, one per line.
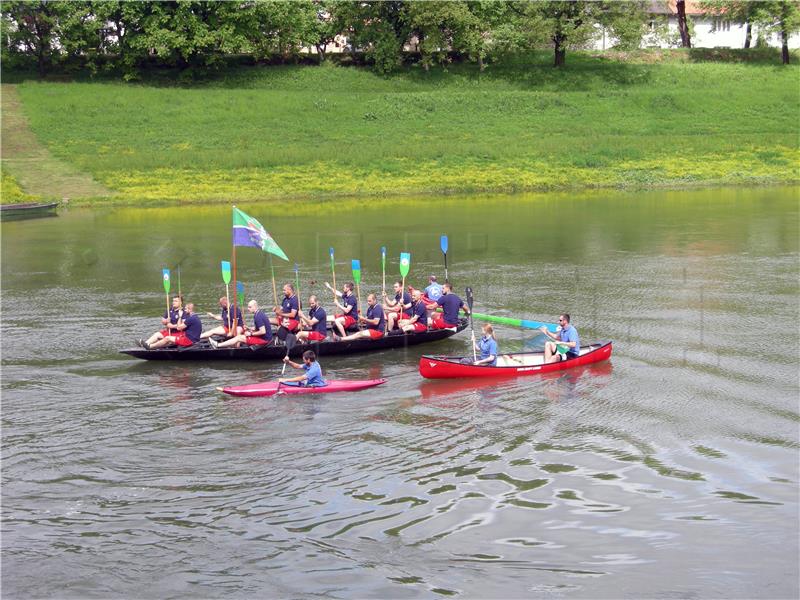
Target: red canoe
<point>510,365</point>
<point>270,388</point>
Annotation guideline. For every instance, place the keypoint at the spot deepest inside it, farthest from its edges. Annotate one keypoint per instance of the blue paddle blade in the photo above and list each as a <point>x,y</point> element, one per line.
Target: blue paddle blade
<point>443,242</point>
<point>295,268</point>
<point>331,253</point>
<point>240,287</point>
<point>383,251</point>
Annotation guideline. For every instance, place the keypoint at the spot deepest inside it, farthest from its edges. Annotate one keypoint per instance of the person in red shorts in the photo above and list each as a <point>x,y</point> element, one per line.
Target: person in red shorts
<point>286,315</point>
<point>188,332</point>
<point>349,308</point>
<point>316,322</point>
<point>258,335</point>
<point>170,322</point>
<point>450,304</point>
<point>227,321</point>
<point>397,309</point>
<point>418,323</point>
<point>374,322</point>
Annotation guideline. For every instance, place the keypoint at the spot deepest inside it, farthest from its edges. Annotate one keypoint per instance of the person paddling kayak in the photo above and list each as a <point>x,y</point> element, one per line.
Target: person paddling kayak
<point>313,372</point>
<point>566,337</point>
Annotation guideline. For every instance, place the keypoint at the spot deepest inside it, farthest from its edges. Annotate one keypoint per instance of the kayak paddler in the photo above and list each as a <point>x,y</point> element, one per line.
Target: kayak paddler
<point>567,337</point>
<point>313,372</point>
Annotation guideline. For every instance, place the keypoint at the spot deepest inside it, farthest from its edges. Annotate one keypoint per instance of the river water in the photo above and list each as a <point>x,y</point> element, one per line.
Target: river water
<point>670,471</point>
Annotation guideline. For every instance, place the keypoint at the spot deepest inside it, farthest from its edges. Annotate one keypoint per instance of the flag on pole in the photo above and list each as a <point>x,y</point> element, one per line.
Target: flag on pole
<point>249,232</point>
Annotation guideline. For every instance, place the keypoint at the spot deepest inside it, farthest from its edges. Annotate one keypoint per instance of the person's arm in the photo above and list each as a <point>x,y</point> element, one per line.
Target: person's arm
<point>337,292</point>
<point>374,321</point>
<point>544,330</point>
<point>293,379</point>
<point>213,316</point>
<point>290,362</point>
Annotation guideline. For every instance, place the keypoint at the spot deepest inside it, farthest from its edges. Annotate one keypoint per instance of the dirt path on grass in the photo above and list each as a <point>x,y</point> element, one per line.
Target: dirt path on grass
<point>31,164</point>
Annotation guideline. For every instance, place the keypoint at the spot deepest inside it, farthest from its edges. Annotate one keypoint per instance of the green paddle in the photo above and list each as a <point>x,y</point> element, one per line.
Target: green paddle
<point>356,266</point>
<point>165,277</point>
<point>226,277</point>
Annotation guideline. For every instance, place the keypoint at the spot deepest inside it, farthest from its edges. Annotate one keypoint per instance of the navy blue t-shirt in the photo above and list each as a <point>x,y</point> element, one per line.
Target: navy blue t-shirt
<point>351,300</point>
<point>290,304</point>
<point>406,299</point>
<point>193,327</point>
<point>421,313</point>
<point>375,312</point>
<point>229,324</point>
<point>322,320</point>
<point>450,304</point>
<point>174,314</point>
<point>261,320</point>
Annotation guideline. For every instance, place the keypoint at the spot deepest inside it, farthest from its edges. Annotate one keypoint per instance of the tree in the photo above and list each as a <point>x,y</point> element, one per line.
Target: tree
<point>443,26</point>
<point>683,26</point>
<point>380,29</point>
<point>34,29</point>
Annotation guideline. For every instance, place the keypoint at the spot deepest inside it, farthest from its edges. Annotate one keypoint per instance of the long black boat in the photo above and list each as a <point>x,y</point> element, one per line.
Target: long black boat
<point>204,351</point>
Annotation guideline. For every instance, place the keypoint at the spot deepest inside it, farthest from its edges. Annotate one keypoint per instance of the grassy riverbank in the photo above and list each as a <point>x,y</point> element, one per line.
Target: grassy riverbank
<point>307,132</point>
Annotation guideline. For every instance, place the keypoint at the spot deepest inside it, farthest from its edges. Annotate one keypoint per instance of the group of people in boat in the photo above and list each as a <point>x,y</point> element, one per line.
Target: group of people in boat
<point>408,311</point>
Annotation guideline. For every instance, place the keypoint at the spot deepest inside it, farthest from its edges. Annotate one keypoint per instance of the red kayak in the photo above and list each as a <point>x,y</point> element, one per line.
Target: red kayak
<point>271,388</point>
<point>510,365</point>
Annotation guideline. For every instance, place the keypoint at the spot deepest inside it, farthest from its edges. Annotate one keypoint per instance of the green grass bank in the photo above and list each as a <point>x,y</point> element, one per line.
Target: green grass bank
<point>310,132</point>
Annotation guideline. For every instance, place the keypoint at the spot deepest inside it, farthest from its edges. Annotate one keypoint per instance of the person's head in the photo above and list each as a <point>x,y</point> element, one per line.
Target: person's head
<point>189,308</point>
<point>288,290</point>
<point>398,285</point>
<point>432,278</point>
<point>563,320</point>
<point>223,302</point>
<point>447,288</point>
<point>371,299</point>
<point>488,330</point>
<point>309,357</point>
<point>177,301</point>
<point>252,306</point>
<point>312,301</point>
<point>416,295</point>
<point>348,287</point>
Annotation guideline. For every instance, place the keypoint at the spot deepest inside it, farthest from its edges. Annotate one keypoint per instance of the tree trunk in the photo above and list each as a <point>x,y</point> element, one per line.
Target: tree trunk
<point>748,34</point>
<point>784,33</point>
<point>683,26</point>
<point>560,53</point>
<point>321,52</point>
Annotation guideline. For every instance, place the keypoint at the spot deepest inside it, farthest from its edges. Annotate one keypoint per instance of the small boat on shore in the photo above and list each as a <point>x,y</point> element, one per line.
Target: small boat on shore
<point>510,365</point>
<point>203,350</point>
<point>273,387</point>
<point>28,210</point>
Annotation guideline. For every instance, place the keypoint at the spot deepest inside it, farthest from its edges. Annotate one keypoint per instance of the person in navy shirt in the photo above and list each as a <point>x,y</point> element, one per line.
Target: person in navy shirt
<point>396,310</point>
<point>486,347</point>
<point>348,306</point>
<point>188,331</point>
<point>170,322</point>
<point>419,316</point>
<point>316,323</point>
<point>258,335</point>
<point>567,343</point>
<point>286,315</point>
<point>374,322</point>
<point>450,304</point>
<point>227,321</point>
<point>313,372</point>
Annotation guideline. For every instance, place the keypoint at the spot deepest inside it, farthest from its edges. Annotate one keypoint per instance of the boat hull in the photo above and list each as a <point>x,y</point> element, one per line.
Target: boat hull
<point>449,367</point>
<point>272,387</point>
<point>203,351</point>
<point>31,210</point>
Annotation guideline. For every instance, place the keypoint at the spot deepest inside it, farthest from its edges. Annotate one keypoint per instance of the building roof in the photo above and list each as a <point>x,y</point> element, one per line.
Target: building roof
<point>669,7</point>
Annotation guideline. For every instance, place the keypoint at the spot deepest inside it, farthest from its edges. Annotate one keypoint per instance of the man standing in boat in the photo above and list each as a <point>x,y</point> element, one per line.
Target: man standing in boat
<point>398,309</point>
<point>170,322</point>
<point>188,331</point>
<point>374,322</point>
<point>450,304</point>
<point>316,321</point>
<point>286,315</point>
<point>259,335</point>
<point>227,321</point>
<point>567,338</point>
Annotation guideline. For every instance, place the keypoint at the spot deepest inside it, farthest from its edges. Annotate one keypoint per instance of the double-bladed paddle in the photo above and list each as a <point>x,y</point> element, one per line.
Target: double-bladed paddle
<point>470,301</point>
<point>443,244</point>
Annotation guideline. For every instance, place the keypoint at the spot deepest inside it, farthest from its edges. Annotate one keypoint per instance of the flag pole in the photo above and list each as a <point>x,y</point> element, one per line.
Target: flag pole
<point>233,260</point>
<point>274,289</point>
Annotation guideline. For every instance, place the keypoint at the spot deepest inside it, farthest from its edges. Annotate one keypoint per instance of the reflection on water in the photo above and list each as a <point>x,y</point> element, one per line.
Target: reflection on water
<point>670,471</point>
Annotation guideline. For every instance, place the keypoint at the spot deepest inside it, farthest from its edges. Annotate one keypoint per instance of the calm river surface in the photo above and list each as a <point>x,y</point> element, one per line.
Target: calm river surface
<point>669,472</point>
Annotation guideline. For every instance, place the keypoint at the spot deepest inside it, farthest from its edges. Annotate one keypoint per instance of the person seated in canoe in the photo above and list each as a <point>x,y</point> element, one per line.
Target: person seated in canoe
<point>374,322</point>
<point>258,335</point>
<point>313,372</point>
<point>450,304</point>
<point>286,315</point>
<point>187,331</point>
<point>349,308</point>
<point>316,323</point>
<point>567,343</point>
<point>227,321</point>
<point>169,321</point>
<point>396,310</point>
<point>418,322</point>
<point>433,292</point>
<point>486,347</point>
